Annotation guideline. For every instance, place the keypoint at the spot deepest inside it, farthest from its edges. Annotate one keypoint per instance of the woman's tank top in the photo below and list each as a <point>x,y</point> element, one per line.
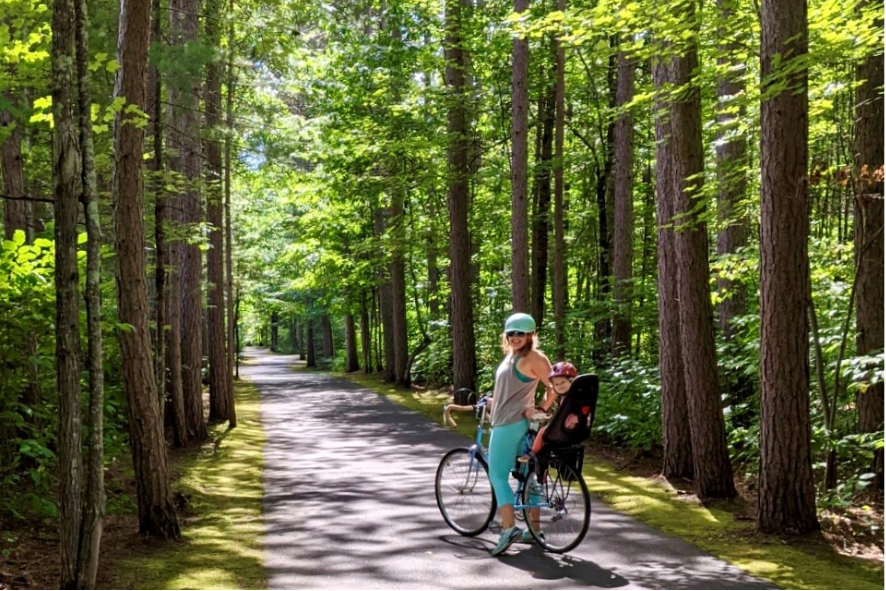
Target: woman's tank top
<point>512,394</point>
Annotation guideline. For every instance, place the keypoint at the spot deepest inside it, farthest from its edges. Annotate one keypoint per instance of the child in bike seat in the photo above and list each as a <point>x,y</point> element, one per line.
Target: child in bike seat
<point>561,376</point>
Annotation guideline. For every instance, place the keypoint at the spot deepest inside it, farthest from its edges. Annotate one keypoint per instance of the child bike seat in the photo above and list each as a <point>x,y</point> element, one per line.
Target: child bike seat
<point>571,424</point>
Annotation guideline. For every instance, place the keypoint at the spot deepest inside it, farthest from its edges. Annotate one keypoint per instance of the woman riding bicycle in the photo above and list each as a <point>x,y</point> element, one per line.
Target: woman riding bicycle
<point>516,381</point>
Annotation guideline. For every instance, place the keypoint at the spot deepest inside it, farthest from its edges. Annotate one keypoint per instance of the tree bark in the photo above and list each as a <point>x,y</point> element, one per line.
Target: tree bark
<point>461,303</point>
<point>869,235</point>
<point>184,314</point>
<point>352,362</point>
<point>275,331</point>
<point>519,164</point>
<point>710,456</point>
<point>386,303</point>
<point>559,286</point>
<point>185,140</point>
<point>540,222</point>
<point>786,500</point>
<point>231,343</point>
<point>94,486</point>
<point>219,372</point>
<point>18,215</point>
<point>161,259</point>
<point>676,438</point>
<point>65,174</point>
<point>365,335</point>
<point>398,290</point>
<point>312,357</point>
<point>15,212</point>
<point>156,513</point>
<point>623,198</point>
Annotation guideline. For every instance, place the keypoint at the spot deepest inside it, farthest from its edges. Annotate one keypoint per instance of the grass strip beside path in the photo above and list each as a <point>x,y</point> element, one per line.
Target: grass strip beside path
<point>797,563</point>
<point>222,525</point>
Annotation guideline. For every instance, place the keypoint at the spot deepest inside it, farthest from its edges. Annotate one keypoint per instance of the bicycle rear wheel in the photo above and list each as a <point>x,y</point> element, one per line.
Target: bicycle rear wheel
<point>464,494</point>
<point>566,511</point>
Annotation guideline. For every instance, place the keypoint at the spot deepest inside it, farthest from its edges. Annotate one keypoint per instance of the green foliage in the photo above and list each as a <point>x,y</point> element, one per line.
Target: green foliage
<point>629,408</point>
<point>27,313</point>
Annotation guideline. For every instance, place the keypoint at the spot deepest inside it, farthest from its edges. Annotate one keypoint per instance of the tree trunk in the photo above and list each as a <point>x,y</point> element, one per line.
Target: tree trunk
<point>352,362</point>
<point>161,258</point>
<point>326,327</point>
<point>186,136</point>
<point>559,286</point>
<point>433,270</point>
<point>18,215</point>
<point>156,513</point>
<point>15,211</point>
<point>676,438</point>
<point>65,172</point>
<point>540,222</point>
<point>185,260</point>
<point>869,235</point>
<point>312,357</point>
<point>786,500</point>
<point>519,164</point>
<point>228,240</point>
<point>94,486</point>
<point>219,373</point>
<point>605,206</point>
<point>365,335</point>
<point>461,303</point>
<point>623,200</point>
<point>710,456</point>
<point>275,331</point>
<point>398,290</point>
<point>386,304</point>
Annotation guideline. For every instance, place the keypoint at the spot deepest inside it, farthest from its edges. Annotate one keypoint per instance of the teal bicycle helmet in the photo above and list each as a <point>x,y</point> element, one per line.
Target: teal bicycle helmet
<point>520,322</point>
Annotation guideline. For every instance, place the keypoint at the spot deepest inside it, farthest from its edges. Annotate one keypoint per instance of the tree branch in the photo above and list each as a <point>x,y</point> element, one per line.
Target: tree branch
<point>26,198</point>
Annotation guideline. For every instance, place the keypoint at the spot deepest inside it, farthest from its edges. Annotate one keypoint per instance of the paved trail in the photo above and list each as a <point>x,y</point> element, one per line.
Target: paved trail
<point>349,504</point>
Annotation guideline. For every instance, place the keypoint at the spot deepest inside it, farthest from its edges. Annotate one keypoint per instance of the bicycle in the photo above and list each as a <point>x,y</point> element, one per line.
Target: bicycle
<point>550,486</point>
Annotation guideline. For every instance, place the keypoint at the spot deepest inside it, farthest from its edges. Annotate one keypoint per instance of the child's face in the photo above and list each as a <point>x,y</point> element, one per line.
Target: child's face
<point>561,384</point>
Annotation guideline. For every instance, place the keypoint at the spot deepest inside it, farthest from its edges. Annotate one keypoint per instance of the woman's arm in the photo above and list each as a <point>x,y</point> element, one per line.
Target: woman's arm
<point>540,367</point>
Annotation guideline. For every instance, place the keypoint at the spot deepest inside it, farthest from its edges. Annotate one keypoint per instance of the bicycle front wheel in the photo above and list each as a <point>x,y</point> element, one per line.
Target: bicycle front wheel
<point>464,494</point>
<point>563,519</point>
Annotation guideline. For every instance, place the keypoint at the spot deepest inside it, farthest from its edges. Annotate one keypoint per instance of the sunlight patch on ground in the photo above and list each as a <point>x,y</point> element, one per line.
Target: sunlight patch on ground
<point>222,526</point>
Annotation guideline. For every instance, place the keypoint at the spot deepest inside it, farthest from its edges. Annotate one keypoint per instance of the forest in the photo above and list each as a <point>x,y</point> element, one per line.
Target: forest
<point>686,196</point>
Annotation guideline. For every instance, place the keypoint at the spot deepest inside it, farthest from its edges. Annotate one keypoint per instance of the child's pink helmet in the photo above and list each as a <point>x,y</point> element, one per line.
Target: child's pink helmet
<point>563,369</point>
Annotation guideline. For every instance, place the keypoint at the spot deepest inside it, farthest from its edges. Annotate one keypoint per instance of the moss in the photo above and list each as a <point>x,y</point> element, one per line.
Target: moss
<point>223,525</point>
<point>795,563</point>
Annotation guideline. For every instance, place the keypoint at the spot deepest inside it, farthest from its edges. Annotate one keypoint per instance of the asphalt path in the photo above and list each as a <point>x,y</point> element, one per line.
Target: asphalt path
<point>349,504</point>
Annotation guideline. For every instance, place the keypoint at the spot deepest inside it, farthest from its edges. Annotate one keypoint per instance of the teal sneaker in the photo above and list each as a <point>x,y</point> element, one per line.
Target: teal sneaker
<point>527,538</point>
<point>507,537</point>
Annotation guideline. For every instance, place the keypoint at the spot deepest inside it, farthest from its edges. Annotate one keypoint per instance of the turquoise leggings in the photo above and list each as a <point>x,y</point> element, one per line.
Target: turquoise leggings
<point>505,444</point>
